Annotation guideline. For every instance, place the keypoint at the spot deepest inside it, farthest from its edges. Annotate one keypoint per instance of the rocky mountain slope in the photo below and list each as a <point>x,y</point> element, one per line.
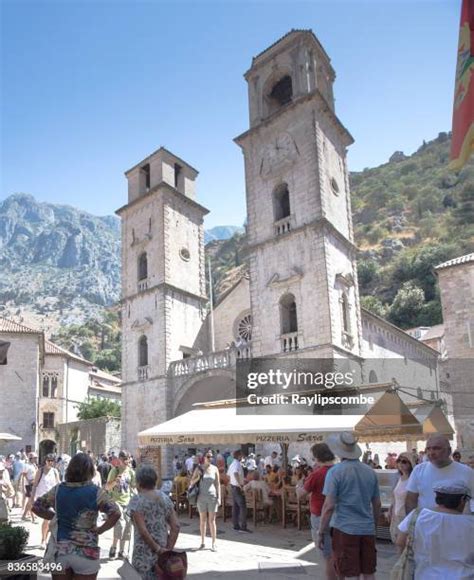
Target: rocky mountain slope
<point>59,265</point>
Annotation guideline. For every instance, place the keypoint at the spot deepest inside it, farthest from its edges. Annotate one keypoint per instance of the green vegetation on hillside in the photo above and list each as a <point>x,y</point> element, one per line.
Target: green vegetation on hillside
<point>96,340</point>
<point>410,215</point>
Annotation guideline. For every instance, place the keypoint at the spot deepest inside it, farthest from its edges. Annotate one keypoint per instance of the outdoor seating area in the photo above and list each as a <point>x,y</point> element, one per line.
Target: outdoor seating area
<point>287,507</point>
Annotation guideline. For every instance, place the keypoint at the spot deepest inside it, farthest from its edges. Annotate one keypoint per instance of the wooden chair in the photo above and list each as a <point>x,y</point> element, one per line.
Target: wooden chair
<point>180,499</point>
<point>226,502</point>
<point>254,502</point>
<point>290,506</point>
<point>294,507</point>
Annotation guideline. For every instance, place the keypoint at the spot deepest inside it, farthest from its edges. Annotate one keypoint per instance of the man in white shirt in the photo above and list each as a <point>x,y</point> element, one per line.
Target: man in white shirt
<point>439,468</point>
<point>271,459</point>
<point>189,464</point>
<point>239,506</point>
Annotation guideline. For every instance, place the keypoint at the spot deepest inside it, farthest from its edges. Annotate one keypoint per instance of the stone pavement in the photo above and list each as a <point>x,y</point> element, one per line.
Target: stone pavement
<point>270,553</point>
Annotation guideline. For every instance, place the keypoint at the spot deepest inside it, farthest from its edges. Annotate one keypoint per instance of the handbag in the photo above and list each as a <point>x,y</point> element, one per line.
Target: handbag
<point>193,493</point>
<point>171,565</point>
<point>193,490</point>
<point>404,568</point>
<point>128,572</point>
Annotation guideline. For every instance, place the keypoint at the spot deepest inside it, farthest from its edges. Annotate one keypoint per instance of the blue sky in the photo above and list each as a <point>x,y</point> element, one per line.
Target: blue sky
<point>91,88</point>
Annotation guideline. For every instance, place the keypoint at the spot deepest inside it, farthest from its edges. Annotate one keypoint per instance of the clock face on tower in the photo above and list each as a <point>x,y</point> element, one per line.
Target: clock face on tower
<point>278,154</point>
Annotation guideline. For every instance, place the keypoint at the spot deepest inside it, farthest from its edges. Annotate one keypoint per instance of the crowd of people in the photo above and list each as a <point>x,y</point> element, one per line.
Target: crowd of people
<point>430,517</point>
<point>80,498</point>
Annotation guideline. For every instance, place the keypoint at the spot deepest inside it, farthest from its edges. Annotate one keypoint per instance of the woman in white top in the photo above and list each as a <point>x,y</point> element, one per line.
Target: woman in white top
<point>443,537</point>
<point>209,497</point>
<point>46,478</point>
<point>397,511</point>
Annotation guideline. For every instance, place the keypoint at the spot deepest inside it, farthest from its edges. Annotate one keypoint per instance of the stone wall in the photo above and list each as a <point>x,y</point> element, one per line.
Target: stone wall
<point>19,386</point>
<point>457,298</point>
<point>96,435</point>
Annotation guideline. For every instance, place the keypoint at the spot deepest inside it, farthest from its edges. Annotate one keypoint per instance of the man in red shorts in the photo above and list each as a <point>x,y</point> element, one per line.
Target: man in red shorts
<point>351,508</point>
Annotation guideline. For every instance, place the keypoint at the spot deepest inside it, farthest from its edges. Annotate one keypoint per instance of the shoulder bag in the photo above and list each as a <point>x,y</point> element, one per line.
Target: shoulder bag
<point>404,568</point>
<point>193,490</point>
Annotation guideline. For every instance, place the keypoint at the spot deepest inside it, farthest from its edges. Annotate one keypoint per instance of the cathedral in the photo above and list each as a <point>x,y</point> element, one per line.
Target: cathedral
<point>300,299</point>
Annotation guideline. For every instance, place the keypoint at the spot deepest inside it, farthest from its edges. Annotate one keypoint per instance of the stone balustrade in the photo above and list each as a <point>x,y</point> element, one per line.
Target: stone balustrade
<point>224,359</point>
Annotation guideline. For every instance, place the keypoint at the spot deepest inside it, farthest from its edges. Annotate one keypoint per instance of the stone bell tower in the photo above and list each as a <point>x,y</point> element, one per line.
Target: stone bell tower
<point>163,284</point>
<point>303,277</point>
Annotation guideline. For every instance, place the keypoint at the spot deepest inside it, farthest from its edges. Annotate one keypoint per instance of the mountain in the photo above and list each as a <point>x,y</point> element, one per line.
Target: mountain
<point>221,233</point>
<point>59,265</point>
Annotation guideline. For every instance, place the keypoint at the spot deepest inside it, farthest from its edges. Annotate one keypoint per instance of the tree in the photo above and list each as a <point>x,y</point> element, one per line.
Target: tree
<point>94,408</point>
<point>407,305</point>
<point>374,305</point>
<point>464,212</point>
<point>367,273</point>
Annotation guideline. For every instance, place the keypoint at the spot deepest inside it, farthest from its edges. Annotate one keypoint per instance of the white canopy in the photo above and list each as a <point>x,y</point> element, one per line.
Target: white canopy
<point>9,437</point>
<point>225,426</point>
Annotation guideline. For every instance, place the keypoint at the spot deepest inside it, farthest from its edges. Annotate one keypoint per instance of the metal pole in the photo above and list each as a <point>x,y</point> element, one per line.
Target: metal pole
<point>211,302</point>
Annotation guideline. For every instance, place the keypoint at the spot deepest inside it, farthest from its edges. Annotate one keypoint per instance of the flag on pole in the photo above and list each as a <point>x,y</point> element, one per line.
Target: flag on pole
<point>463,112</point>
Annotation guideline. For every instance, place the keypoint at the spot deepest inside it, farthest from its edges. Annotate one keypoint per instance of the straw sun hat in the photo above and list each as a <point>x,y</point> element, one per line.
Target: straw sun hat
<point>344,445</point>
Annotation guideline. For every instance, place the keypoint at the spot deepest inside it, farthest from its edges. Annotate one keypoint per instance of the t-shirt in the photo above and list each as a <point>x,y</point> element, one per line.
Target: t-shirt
<point>122,490</point>
<point>314,485</point>
<point>353,485</point>
<point>443,546</point>
<point>426,475</point>
<point>77,506</point>
<point>17,468</point>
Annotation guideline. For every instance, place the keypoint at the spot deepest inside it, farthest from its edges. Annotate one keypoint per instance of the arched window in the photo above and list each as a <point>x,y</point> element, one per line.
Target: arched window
<point>54,387</point>
<point>373,377</point>
<point>142,267</point>
<point>281,202</point>
<point>282,91</point>
<point>288,317</point>
<point>143,352</point>
<point>45,386</point>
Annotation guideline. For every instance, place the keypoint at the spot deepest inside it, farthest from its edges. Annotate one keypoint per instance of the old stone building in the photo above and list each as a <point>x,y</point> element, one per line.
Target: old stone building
<point>301,297</point>
<point>456,282</point>
<point>41,385</point>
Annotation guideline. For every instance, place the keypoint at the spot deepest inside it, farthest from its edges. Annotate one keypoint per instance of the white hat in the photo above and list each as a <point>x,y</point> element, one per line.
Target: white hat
<point>344,445</point>
<point>452,487</point>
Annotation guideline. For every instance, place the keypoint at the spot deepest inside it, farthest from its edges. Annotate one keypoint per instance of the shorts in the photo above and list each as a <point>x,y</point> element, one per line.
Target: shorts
<point>353,555</point>
<point>207,504</point>
<point>28,489</point>
<point>78,564</point>
<point>327,548</point>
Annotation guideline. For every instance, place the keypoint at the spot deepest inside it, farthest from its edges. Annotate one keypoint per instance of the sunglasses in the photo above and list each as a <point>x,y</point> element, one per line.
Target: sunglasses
<point>406,462</point>
<point>208,456</point>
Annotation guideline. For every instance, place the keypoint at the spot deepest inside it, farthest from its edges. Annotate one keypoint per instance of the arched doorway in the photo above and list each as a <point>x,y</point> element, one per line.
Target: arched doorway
<point>207,388</point>
<point>46,446</point>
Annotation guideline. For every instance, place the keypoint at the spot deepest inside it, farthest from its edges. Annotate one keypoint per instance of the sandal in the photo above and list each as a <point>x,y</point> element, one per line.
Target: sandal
<point>202,546</point>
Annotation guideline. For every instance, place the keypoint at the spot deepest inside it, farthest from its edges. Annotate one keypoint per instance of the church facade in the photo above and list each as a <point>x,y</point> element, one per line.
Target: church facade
<point>300,298</point>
